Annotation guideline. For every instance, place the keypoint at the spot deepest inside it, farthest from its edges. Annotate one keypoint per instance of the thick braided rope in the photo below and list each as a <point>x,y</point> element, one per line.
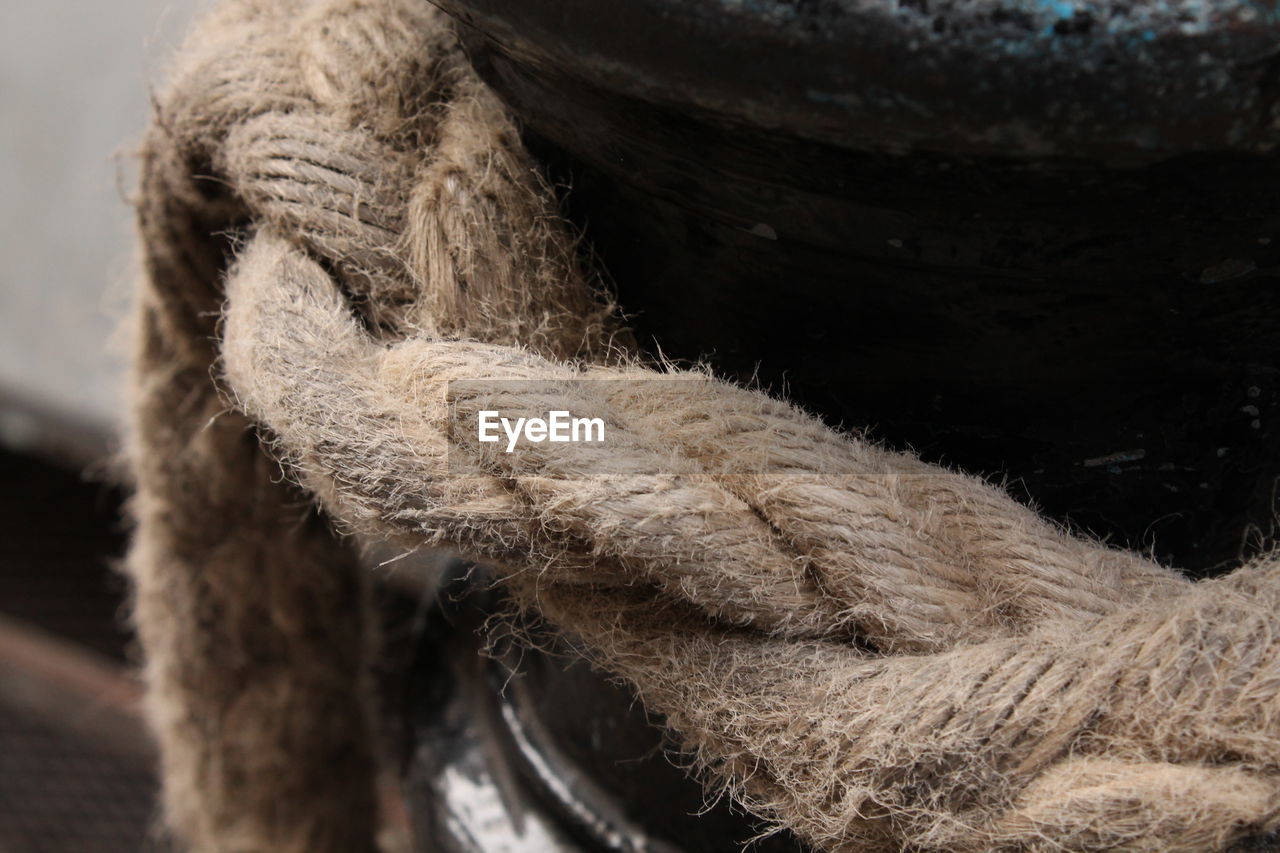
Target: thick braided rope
<point>874,652</point>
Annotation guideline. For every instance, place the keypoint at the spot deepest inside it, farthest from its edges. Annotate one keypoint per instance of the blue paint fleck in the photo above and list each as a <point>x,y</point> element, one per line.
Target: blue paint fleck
<point>1063,10</point>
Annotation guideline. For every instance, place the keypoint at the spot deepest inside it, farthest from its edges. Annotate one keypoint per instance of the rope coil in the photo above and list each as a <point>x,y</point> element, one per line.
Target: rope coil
<point>874,652</point>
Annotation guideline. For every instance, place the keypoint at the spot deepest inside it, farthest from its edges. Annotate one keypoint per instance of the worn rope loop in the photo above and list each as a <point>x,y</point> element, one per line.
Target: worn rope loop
<point>875,653</point>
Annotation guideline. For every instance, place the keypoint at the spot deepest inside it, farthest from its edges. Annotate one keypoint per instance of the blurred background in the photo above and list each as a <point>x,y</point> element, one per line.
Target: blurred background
<point>76,769</point>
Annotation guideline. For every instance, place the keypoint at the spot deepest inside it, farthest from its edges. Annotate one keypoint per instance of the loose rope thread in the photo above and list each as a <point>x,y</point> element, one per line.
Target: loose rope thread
<point>878,654</point>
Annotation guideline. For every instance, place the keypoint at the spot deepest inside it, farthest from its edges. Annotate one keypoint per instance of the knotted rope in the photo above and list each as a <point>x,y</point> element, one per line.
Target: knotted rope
<point>339,218</point>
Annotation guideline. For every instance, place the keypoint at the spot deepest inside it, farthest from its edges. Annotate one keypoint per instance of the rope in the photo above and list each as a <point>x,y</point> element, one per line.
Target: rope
<point>874,652</point>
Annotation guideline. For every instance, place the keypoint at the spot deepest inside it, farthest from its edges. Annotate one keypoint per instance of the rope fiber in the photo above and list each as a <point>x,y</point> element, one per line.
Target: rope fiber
<point>337,220</point>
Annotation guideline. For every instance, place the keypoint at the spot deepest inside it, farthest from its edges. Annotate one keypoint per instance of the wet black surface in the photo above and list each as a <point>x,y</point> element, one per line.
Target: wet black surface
<point>519,750</point>
<point>587,747</point>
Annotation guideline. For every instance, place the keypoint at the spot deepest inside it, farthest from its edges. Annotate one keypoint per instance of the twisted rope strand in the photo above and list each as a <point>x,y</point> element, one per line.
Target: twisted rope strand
<point>874,652</point>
